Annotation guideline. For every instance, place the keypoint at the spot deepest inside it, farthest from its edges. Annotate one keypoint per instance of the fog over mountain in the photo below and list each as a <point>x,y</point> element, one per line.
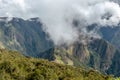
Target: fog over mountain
<point>65,20</point>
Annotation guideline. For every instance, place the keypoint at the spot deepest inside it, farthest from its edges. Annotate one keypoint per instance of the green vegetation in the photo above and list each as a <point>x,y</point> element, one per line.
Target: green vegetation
<point>14,66</point>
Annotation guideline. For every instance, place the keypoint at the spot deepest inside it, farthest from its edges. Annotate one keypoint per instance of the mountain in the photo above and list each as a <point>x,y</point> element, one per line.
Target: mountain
<point>29,38</point>
<point>112,35</point>
<point>108,33</point>
<point>14,66</point>
<point>26,36</point>
<point>98,54</point>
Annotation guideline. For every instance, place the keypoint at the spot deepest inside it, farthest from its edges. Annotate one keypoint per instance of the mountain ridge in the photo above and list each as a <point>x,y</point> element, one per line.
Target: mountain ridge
<point>23,35</point>
<point>28,37</point>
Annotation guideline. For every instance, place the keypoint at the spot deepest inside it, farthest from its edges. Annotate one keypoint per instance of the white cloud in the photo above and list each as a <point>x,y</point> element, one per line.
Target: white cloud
<point>58,15</point>
<point>105,13</point>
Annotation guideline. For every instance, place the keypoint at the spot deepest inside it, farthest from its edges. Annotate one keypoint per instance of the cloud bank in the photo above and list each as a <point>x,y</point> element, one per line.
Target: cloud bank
<point>65,21</point>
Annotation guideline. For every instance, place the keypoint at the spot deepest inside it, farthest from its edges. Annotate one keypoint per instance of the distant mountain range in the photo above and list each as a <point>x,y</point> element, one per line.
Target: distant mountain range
<point>29,38</point>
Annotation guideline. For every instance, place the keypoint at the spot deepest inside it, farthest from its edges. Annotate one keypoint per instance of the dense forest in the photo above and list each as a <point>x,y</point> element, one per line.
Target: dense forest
<point>14,66</point>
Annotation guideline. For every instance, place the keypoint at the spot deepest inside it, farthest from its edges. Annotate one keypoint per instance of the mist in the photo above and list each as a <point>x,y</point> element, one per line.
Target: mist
<point>65,21</point>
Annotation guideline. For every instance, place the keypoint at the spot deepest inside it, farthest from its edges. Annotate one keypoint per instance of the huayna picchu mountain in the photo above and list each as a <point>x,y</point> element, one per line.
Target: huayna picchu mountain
<point>29,38</point>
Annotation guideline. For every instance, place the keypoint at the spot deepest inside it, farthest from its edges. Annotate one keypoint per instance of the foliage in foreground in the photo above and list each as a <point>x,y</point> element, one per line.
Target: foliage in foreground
<point>14,66</point>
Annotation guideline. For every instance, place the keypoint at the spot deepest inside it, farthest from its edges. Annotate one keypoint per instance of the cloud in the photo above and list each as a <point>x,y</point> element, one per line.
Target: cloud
<point>105,13</point>
<point>65,21</point>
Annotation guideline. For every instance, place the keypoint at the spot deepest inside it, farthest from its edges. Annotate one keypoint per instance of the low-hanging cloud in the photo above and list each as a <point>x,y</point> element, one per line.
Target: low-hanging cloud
<point>65,21</point>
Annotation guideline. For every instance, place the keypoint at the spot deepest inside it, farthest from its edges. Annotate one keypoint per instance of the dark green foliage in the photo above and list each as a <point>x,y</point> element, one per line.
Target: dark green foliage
<point>14,66</point>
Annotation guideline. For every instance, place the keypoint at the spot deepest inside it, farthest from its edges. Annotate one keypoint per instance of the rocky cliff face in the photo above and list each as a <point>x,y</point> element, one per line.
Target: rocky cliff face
<point>26,36</point>
<point>97,54</point>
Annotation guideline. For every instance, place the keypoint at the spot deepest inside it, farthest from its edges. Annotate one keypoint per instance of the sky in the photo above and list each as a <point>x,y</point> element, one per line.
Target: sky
<point>58,16</point>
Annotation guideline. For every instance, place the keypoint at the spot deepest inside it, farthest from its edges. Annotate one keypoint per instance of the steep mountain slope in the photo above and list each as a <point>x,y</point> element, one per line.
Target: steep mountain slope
<point>26,36</point>
<point>14,66</point>
<point>112,35</point>
<point>108,33</point>
<point>97,54</point>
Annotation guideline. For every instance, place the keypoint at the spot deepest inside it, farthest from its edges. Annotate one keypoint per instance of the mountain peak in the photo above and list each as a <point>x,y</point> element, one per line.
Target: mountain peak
<point>6,19</point>
<point>34,19</point>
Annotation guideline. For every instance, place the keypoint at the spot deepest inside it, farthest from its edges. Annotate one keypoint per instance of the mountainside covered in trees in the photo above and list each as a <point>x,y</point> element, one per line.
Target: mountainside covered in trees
<point>14,66</point>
